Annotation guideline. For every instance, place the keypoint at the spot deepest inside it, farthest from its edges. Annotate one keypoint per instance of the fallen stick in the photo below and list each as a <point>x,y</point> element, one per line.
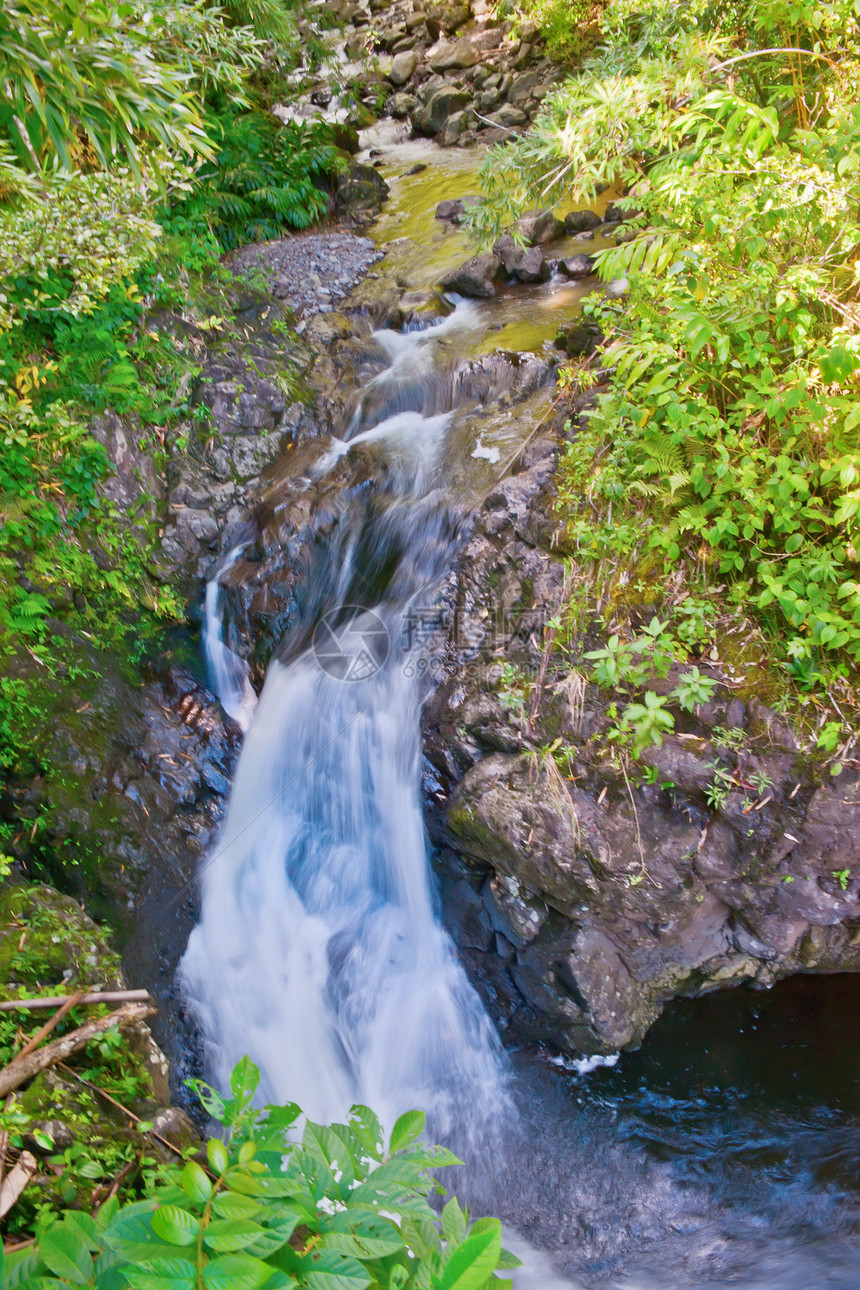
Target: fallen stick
<point>57,1000</point>
<point>16,1180</point>
<point>20,1070</point>
<point>34,1042</point>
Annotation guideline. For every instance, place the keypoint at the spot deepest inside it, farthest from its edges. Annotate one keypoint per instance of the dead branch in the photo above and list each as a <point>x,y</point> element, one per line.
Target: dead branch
<point>57,1000</point>
<point>23,1069</point>
<point>16,1180</point>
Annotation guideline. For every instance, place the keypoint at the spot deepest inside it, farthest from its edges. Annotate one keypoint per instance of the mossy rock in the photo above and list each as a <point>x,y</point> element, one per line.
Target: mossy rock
<point>46,939</point>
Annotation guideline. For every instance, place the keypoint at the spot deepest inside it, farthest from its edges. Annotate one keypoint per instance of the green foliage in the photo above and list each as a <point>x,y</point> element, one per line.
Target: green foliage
<point>130,158</point>
<point>728,437</point>
<point>644,724</point>
<point>73,73</point>
<point>567,26</point>
<point>266,177</point>
<point>329,1210</point>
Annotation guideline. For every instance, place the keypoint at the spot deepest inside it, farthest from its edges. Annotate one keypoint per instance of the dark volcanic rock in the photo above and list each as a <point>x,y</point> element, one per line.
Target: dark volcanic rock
<point>439,107</point>
<point>577,266</point>
<point>581,221</point>
<point>537,227</point>
<point>476,278</point>
<point>525,263</point>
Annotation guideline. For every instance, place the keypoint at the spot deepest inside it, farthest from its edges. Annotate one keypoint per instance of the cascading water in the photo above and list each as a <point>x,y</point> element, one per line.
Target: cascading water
<point>231,678</point>
<point>319,952</point>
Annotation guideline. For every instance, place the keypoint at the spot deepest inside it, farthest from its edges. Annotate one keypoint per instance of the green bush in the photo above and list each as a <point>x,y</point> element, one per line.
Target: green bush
<point>265,177</point>
<point>729,438</point>
<point>331,1210</point>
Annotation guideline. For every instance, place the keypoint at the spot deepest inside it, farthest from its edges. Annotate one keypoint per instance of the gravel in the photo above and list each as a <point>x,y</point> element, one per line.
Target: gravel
<point>309,272</point>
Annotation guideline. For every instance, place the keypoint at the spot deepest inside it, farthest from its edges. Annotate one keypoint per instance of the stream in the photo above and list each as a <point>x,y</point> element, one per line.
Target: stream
<point>726,1151</point>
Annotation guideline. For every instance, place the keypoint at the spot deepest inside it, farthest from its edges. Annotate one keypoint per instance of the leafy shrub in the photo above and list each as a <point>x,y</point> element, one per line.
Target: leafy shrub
<point>332,1210</point>
<point>266,177</point>
<point>728,438</point>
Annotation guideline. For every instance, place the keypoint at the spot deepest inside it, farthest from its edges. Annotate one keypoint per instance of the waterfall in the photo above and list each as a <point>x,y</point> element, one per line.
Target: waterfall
<point>319,951</point>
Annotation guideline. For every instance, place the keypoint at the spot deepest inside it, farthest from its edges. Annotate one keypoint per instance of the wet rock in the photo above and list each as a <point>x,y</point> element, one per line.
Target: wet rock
<point>525,263</point>
<point>455,56</point>
<point>423,308</point>
<point>578,338</point>
<point>441,104</point>
<point>537,227</point>
<point>451,131</point>
<point>455,209</point>
<point>403,67</point>
<point>476,278</point>
<point>577,266</point>
<point>402,105</point>
<point>360,187</point>
<point>581,221</point>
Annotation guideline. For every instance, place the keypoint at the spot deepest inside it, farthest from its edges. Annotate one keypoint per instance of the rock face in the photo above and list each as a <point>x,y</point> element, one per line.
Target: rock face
<point>584,898</point>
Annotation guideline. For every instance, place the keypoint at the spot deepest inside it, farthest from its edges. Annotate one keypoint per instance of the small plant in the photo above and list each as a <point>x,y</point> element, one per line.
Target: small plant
<point>645,723</point>
<point>332,1209</point>
<point>761,782</point>
<point>694,688</point>
<point>716,795</point>
<point>512,688</point>
<point>842,876</point>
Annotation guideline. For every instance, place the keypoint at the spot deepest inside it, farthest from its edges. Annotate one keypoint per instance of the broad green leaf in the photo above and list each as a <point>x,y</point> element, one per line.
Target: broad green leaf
<point>334,1271</point>
<point>66,1254</point>
<point>473,1262</point>
<point>237,1272</point>
<point>362,1235</point>
<point>244,1081</point>
<point>228,1234</point>
<point>195,1182</point>
<point>406,1130</point>
<point>216,1154</point>
<point>164,1274</point>
<point>228,1204</point>
<point>175,1225</point>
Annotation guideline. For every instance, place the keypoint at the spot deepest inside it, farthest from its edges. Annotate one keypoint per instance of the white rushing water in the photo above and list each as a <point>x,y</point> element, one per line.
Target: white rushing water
<point>319,952</point>
<point>231,679</point>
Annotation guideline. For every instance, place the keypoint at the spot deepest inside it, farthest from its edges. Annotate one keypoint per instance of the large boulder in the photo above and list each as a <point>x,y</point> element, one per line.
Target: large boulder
<point>537,227</point>
<point>360,187</point>
<point>476,278</point>
<point>523,262</point>
<point>508,116</point>
<point>581,221</point>
<point>577,266</point>
<point>458,54</point>
<point>401,105</point>
<point>441,104</point>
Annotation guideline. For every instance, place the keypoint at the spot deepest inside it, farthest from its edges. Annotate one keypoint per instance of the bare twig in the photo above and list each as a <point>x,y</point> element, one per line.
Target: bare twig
<point>61,1012</point>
